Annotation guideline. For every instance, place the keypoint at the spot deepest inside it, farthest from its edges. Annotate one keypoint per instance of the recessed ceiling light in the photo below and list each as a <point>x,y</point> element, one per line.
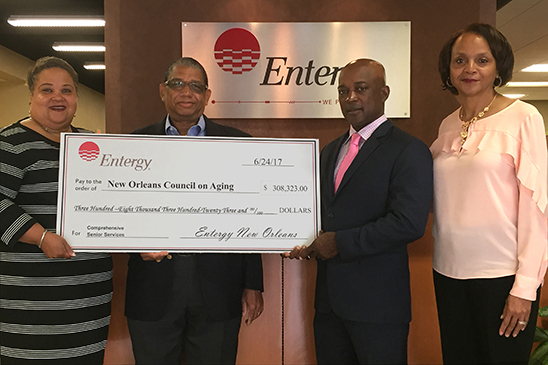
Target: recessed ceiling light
<point>539,67</point>
<point>94,66</point>
<point>79,47</point>
<point>514,96</point>
<point>56,21</point>
<point>527,84</point>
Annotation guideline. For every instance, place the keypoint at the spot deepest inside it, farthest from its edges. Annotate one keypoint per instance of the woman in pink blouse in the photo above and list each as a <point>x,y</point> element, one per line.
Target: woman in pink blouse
<point>490,206</point>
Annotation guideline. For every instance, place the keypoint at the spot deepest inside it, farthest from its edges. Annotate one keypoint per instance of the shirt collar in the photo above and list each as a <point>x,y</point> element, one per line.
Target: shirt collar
<point>369,129</point>
<point>172,131</point>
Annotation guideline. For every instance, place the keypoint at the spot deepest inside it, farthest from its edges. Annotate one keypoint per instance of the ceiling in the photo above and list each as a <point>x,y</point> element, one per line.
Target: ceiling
<point>34,43</point>
<point>523,22</point>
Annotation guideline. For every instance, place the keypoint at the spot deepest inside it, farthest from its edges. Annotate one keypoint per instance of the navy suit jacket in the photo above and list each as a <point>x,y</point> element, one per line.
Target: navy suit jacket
<point>381,205</point>
<point>223,277</point>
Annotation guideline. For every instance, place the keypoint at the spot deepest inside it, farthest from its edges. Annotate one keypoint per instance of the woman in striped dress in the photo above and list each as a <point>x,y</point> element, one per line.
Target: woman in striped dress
<point>54,304</point>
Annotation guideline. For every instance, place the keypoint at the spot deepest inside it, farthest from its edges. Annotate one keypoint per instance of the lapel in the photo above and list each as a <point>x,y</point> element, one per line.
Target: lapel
<point>329,170</point>
<point>366,151</point>
<point>160,128</point>
<point>212,128</point>
<point>153,129</point>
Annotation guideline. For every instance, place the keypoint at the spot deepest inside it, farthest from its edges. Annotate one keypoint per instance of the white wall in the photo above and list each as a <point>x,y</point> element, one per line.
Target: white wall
<point>14,95</point>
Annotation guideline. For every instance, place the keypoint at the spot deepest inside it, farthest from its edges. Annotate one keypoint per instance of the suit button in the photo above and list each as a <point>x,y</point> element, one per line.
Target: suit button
<point>330,215</point>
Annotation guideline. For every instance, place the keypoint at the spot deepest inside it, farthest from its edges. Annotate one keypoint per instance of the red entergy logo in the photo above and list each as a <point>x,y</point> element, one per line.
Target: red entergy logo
<point>237,50</point>
<point>88,151</point>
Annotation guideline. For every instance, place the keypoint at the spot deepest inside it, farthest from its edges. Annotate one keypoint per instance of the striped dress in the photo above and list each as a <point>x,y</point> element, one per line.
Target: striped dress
<point>51,310</point>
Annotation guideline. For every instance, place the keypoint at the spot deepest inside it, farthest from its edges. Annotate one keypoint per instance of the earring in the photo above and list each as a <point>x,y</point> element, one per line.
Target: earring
<point>448,83</point>
<point>498,81</point>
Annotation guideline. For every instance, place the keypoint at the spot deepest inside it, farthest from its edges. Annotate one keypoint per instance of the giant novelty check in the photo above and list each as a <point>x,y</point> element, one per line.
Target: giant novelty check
<point>135,193</point>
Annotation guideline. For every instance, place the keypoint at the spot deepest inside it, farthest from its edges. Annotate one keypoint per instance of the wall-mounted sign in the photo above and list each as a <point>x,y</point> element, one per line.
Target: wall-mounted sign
<point>290,70</point>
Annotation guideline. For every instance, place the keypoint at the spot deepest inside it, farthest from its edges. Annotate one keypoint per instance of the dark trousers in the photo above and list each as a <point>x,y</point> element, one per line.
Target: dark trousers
<point>340,341</point>
<point>469,316</point>
<point>186,327</point>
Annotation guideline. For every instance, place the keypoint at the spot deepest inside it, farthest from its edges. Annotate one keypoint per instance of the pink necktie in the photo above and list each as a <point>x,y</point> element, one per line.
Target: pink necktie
<point>352,152</point>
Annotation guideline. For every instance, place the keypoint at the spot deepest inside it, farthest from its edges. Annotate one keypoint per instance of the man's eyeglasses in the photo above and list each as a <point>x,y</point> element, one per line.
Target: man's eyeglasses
<point>179,85</point>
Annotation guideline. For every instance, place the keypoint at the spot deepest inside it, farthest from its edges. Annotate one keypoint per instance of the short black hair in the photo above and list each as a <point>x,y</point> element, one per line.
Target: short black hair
<point>50,62</point>
<point>498,44</point>
<point>186,62</point>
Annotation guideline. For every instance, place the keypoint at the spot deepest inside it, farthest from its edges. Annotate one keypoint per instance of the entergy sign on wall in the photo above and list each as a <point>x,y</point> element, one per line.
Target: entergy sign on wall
<point>290,70</point>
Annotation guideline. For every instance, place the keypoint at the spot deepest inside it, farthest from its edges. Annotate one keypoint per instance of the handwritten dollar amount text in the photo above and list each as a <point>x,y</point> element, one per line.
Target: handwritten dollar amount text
<point>287,188</point>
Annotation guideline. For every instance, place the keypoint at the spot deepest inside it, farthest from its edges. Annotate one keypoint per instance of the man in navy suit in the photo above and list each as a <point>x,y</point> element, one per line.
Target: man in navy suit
<point>191,304</point>
<point>370,212</point>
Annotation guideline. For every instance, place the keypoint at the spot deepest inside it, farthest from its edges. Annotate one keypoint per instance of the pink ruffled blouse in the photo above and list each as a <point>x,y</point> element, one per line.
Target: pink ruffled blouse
<point>490,199</point>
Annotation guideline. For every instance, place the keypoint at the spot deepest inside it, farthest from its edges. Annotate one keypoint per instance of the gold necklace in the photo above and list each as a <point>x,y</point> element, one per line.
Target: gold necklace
<point>466,124</point>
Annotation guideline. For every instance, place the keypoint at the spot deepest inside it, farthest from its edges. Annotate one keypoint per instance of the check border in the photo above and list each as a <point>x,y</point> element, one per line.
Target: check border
<point>70,165</point>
